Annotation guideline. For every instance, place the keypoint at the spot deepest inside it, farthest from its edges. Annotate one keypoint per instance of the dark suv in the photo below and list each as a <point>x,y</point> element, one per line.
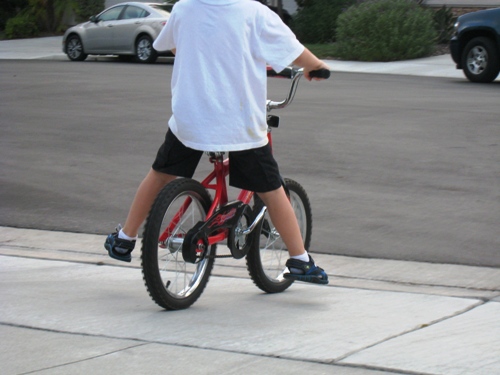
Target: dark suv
<point>475,45</point>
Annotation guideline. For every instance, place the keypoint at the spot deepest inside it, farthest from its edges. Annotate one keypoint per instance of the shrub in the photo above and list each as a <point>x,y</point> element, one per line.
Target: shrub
<point>86,8</point>
<point>323,50</point>
<point>385,30</point>
<point>9,9</point>
<point>21,26</point>
<point>443,22</point>
<point>316,20</point>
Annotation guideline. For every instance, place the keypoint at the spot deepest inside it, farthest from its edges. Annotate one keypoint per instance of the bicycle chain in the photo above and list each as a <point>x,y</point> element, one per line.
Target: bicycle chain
<point>225,218</point>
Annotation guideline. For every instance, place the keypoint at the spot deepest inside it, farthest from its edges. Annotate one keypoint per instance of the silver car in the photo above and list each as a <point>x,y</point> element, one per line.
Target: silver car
<point>127,30</point>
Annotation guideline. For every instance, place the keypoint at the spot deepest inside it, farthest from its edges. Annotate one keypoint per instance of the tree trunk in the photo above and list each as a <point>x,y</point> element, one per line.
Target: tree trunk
<point>280,8</point>
<point>51,17</point>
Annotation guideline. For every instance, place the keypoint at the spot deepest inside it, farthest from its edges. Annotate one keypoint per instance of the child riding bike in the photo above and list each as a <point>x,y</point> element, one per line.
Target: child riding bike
<point>219,104</point>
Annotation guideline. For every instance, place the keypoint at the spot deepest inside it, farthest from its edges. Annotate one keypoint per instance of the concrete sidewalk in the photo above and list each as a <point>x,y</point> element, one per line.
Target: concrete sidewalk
<point>67,308</point>
<point>50,48</point>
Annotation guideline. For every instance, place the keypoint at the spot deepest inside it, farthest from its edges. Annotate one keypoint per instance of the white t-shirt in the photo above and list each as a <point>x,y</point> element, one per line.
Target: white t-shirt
<point>219,77</point>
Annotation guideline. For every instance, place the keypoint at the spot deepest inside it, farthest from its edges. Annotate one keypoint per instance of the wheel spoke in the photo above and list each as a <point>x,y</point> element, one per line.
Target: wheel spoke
<point>267,261</point>
<point>144,49</point>
<point>172,282</point>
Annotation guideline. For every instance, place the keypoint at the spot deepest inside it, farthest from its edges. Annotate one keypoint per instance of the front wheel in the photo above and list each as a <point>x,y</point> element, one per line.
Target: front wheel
<point>74,48</point>
<point>268,255</point>
<point>144,51</point>
<point>172,282</point>
<point>481,60</point>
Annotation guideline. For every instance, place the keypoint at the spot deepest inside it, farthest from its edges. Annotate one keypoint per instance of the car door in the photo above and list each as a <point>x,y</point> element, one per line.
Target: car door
<point>100,34</point>
<point>125,28</point>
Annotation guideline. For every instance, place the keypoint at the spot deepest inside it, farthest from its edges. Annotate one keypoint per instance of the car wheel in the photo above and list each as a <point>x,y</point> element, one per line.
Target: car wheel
<point>144,51</point>
<point>481,60</point>
<point>74,48</point>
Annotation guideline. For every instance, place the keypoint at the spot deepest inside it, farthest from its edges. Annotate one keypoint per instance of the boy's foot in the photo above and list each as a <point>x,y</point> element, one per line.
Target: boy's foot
<point>119,248</point>
<point>305,271</point>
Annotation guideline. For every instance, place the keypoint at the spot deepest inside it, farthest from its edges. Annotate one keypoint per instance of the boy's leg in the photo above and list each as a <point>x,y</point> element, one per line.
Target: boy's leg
<point>256,170</point>
<point>144,198</point>
<point>173,159</point>
<point>282,215</point>
<point>284,220</point>
<point>121,243</point>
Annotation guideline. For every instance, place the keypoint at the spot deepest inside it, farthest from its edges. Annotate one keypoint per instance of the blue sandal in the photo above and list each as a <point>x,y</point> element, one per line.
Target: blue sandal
<point>305,271</point>
<point>119,248</point>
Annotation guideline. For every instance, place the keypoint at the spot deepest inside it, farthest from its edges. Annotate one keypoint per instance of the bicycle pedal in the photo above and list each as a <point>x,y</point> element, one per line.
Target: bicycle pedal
<point>190,246</point>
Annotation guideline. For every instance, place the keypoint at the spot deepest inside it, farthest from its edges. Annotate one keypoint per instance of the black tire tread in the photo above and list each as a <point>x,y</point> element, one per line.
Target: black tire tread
<point>83,55</point>
<point>254,264</point>
<point>493,68</point>
<point>149,257</point>
<point>154,55</point>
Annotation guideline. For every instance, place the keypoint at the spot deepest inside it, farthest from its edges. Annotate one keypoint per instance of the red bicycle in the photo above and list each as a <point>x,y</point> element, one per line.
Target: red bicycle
<point>186,223</point>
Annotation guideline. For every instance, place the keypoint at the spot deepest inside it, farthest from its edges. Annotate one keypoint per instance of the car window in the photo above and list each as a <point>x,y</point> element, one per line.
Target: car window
<point>111,14</point>
<point>164,10</point>
<point>134,12</point>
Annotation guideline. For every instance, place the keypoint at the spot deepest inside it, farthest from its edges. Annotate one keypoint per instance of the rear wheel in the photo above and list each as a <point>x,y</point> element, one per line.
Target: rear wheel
<point>144,51</point>
<point>172,282</point>
<point>481,60</point>
<point>74,48</point>
<point>266,260</point>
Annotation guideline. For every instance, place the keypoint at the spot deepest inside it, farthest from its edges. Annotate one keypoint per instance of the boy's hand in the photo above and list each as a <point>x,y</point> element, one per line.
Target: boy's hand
<point>309,62</point>
<point>307,72</point>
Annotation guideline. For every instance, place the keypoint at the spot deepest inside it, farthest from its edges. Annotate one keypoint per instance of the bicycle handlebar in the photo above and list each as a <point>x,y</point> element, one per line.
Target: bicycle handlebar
<point>288,72</point>
<point>320,73</point>
<point>294,75</point>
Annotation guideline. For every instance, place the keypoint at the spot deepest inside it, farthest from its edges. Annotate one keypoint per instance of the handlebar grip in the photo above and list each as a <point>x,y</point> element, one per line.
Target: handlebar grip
<point>320,73</point>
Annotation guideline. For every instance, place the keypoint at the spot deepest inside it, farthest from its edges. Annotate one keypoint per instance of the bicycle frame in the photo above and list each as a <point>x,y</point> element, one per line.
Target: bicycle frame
<point>177,269</point>
<point>216,180</point>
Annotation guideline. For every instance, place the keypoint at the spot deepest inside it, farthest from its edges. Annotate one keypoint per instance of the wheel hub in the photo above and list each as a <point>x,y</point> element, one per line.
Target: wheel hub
<point>74,48</point>
<point>143,50</point>
<point>477,60</point>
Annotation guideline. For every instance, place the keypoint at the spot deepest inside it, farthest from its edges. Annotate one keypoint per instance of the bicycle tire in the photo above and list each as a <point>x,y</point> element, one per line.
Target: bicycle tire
<point>173,283</point>
<point>268,255</point>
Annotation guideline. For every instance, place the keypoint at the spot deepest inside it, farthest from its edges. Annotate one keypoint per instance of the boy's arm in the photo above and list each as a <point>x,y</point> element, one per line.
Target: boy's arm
<point>309,62</point>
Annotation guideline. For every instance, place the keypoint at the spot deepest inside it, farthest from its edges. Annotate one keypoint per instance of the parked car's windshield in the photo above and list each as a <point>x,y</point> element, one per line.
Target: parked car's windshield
<point>163,9</point>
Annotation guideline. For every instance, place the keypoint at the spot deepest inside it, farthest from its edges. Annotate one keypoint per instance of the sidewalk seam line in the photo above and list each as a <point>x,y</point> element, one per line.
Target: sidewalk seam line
<point>418,328</point>
<point>82,360</point>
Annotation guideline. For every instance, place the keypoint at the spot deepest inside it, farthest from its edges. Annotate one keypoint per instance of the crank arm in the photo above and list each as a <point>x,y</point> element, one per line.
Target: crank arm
<point>256,221</point>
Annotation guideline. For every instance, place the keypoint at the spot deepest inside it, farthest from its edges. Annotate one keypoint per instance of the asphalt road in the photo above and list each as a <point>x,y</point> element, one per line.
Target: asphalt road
<point>396,167</point>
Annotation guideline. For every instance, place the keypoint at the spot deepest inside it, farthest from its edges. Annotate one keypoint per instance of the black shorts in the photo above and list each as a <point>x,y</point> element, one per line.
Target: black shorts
<point>254,169</point>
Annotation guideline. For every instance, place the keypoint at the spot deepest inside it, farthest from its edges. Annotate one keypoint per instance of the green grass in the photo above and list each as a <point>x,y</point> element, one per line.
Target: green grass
<point>329,51</point>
